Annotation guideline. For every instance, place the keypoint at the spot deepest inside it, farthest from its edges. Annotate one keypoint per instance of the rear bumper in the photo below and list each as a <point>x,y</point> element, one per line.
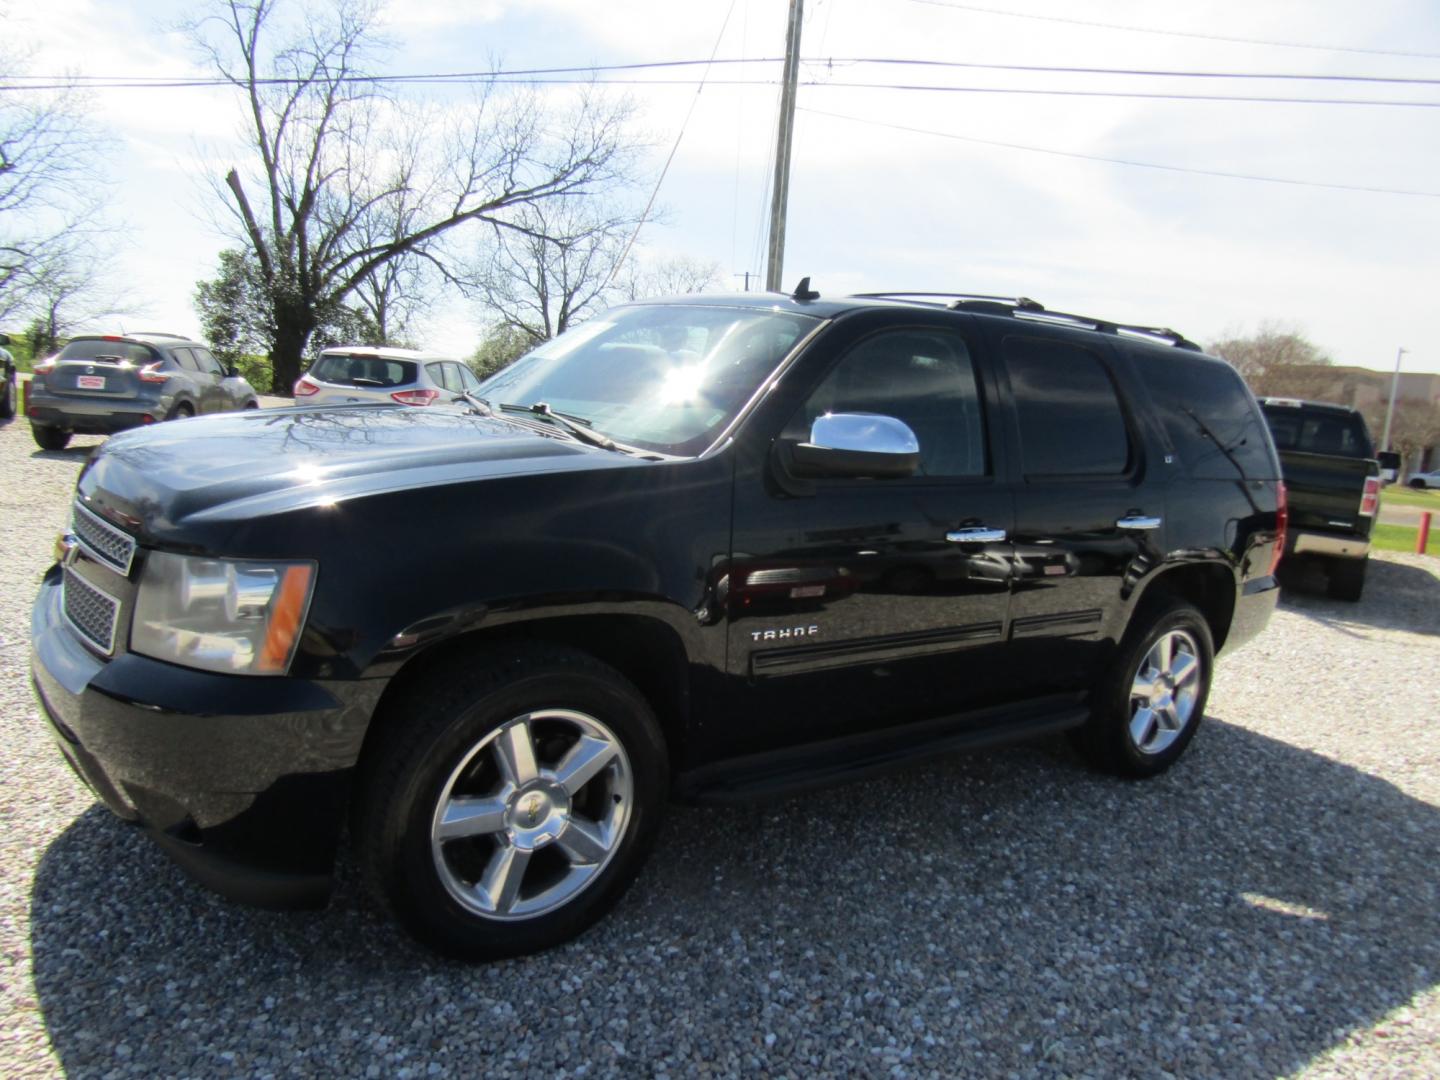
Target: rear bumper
<point>242,781</point>
<point>1330,545</point>
<point>89,418</point>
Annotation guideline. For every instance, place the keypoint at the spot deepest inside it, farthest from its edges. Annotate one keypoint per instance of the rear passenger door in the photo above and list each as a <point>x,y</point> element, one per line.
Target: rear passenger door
<point>1089,499</point>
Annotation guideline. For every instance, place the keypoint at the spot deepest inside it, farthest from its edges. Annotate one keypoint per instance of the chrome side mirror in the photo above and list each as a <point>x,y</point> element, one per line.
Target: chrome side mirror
<point>858,445</point>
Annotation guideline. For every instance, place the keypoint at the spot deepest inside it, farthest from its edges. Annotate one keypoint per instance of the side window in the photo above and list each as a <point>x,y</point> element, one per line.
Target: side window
<point>441,375</point>
<point>186,358</point>
<point>1071,423</point>
<point>923,377</point>
<point>468,379</point>
<point>208,363</point>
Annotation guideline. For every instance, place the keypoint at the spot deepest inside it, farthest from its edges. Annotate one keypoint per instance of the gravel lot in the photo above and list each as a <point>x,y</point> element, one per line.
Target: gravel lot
<point>1269,907</point>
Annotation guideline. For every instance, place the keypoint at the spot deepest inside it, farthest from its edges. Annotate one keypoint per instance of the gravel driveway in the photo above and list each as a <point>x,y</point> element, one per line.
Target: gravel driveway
<point>1268,907</point>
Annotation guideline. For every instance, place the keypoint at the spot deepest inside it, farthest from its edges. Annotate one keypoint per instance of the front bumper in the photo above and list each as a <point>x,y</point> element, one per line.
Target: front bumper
<point>242,780</point>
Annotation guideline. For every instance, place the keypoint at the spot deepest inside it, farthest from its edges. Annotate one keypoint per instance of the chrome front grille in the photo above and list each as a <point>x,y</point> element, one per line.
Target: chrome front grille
<point>114,548</point>
<point>90,611</point>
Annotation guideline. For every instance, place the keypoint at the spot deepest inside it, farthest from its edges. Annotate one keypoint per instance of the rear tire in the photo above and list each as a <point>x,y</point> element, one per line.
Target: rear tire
<point>50,438</point>
<point>7,398</point>
<point>1148,704</point>
<point>182,411</point>
<point>509,800</point>
<point>1346,578</point>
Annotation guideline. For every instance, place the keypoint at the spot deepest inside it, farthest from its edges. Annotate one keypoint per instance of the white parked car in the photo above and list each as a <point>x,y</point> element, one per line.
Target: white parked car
<point>365,373</point>
<point>1424,480</point>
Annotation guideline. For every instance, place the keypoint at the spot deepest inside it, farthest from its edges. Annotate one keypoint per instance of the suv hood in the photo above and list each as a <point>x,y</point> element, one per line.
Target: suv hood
<point>249,464</point>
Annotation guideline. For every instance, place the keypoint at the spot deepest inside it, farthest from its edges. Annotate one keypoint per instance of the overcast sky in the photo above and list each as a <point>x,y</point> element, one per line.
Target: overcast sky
<point>907,189</point>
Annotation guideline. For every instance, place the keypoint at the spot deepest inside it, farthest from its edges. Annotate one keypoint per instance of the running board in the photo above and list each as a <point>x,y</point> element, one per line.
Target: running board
<point>839,761</point>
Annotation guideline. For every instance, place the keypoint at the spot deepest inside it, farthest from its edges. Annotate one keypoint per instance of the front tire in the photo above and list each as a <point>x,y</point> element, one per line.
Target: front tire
<point>1148,704</point>
<point>507,805</point>
<point>1418,485</point>
<point>50,438</point>
<point>7,398</point>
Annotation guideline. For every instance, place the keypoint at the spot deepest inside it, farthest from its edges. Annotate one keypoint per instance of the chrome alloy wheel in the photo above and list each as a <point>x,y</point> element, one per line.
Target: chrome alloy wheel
<point>1164,691</point>
<point>532,814</point>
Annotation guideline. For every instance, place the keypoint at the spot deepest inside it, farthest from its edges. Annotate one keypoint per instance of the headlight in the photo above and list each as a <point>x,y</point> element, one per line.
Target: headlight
<point>221,615</point>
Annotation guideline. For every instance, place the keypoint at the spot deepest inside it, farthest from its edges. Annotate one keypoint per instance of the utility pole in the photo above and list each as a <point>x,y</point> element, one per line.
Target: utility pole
<point>1390,412</point>
<point>775,258</point>
<point>747,275</point>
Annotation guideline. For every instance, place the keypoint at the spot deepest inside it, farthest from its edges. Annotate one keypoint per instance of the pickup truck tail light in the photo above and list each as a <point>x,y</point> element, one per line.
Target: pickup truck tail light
<point>1370,501</point>
<point>1282,525</point>
<point>415,397</point>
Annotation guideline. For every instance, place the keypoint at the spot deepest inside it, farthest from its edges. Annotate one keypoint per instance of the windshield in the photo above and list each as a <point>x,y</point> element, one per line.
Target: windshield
<point>665,377</point>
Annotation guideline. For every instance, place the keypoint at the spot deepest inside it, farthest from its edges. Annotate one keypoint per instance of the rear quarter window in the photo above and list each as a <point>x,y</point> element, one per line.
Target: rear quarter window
<point>1210,415</point>
<point>363,370</point>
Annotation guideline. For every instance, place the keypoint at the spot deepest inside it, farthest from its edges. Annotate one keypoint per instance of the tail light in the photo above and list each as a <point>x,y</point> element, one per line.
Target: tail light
<point>1370,501</point>
<point>415,397</point>
<point>304,387</point>
<point>1282,526</point>
<point>151,373</point>
<point>44,367</point>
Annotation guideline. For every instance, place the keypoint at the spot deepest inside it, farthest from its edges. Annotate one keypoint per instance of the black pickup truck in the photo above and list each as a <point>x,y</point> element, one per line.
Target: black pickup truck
<point>1332,480</point>
<point>709,549</point>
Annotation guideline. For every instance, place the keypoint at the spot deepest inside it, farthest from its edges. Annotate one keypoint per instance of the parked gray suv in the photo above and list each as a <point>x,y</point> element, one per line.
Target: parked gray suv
<point>101,384</point>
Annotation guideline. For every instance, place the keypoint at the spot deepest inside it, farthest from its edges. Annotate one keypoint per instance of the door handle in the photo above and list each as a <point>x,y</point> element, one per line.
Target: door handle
<point>1137,522</point>
<point>976,535</point>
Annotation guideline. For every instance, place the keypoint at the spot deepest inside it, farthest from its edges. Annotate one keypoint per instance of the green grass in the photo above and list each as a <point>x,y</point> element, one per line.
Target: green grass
<point>1402,538</point>
<point>1396,495</point>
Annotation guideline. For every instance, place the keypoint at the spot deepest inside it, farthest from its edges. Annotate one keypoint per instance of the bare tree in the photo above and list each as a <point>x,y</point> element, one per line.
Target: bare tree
<point>668,277</point>
<point>63,290</point>
<point>554,271</point>
<point>1276,360</point>
<point>337,200</point>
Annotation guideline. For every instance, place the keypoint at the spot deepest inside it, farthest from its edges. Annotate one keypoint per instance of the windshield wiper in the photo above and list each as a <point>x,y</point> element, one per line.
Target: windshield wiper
<point>577,427</point>
<point>481,405</point>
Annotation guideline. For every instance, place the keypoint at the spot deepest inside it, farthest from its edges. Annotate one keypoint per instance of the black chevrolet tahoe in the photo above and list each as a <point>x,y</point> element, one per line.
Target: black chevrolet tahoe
<point>705,549</point>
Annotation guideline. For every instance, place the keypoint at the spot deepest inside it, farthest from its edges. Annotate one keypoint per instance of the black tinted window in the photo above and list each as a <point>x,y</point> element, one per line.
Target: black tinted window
<point>112,351</point>
<point>1318,431</point>
<point>922,377</point>
<point>1208,414</point>
<point>1071,423</point>
<point>363,370</point>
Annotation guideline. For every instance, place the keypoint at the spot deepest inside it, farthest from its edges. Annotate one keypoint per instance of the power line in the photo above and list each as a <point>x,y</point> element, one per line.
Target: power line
<point>1002,90</point>
<point>129,82</point>
<point>1123,161</point>
<point>1173,33</point>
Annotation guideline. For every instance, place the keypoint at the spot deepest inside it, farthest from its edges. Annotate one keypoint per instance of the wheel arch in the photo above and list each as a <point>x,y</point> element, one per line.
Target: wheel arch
<point>1209,586</point>
<point>644,649</point>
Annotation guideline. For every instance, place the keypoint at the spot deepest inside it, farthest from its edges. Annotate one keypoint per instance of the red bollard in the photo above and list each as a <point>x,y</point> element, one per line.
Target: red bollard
<point>1423,536</point>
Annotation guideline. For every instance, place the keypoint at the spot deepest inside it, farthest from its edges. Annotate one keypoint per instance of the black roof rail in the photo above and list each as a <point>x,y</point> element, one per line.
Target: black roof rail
<point>1022,307</point>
